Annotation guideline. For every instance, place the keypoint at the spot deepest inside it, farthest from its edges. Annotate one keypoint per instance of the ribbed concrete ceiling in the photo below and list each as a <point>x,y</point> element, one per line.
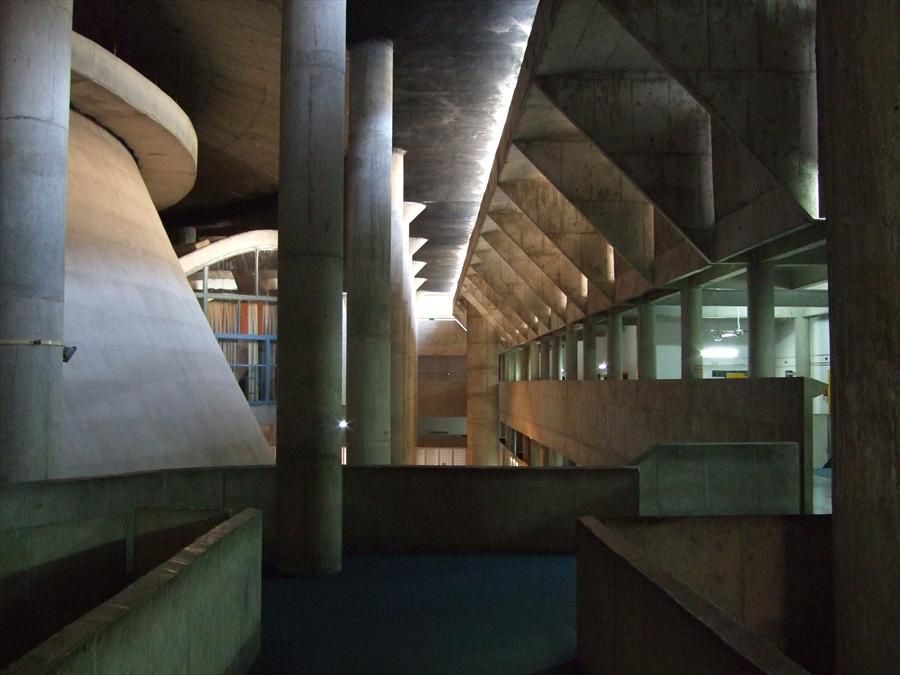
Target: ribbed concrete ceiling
<point>455,64</point>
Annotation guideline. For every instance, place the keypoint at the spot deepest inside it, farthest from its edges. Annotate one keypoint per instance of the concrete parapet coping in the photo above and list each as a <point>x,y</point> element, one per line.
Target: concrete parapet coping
<point>80,641</point>
<point>758,654</point>
<point>141,115</point>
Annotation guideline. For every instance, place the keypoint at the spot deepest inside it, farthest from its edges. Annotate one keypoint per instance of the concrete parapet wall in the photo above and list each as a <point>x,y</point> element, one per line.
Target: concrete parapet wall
<point>703,479</point>
<point>38,563</point>
<point>385,508</point>
<point>773,574</point>
<point>198,613</point>
<point>609,422</point>
<point>465,509</point>
<point>633,617</point>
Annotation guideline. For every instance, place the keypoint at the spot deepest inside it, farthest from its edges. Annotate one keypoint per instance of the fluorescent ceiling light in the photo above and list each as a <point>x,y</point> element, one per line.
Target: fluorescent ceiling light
<point>719,352</point>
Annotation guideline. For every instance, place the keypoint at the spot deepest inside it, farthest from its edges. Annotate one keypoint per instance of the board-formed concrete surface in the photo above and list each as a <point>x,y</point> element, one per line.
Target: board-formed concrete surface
<point>149,387</point>
<point>199,612</point>
<point>607,422</point>
<point>773,574</point>
<point>706,479</point>
<point>385,508</point>
<point>633,617</point>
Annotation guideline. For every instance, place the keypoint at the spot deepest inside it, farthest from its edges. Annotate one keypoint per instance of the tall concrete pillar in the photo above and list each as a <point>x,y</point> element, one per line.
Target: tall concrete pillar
<point>647,341</point>
<point>482,391</point>
<point>35,69</point>
<point>859,124</point>
<point>310,264</point>
<point>761,319</point>
<point>544,354</point>
<point>534,360</point>
<point>187,234</point>
<point>522,363</point>
<point>614,346</point>
<point>801,347</point>
<point>368,253</point>
<point>590,350</point>
<point>401,291</point>
<point>691,332</point>
<point>412,366</point>
<point>571,352</point>
<point>555,343</point>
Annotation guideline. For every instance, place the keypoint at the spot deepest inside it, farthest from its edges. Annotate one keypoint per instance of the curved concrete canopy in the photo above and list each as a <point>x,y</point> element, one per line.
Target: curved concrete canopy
<point>152,126</point>
<point>228,248</point>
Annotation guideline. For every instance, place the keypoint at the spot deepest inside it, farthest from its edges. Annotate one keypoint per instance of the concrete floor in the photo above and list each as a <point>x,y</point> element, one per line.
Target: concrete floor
<point>423,614</point>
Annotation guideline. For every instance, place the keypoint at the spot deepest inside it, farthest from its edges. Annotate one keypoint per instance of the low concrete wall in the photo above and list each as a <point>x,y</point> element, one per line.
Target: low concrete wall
<point>38,564</point>
<point>465,509</point>
<point>635,618</point>
<point>771,573</point>
<point>385,508</point>
<point>197,613</point>
<point>610,422</point>
<point>702,479</point>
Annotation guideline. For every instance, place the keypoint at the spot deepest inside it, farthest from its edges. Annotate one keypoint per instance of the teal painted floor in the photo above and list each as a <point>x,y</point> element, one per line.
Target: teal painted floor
<point>423,614</point>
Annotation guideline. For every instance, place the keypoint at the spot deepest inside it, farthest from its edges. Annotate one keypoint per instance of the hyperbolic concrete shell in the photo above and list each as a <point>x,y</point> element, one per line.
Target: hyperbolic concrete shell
<point>149,386</point>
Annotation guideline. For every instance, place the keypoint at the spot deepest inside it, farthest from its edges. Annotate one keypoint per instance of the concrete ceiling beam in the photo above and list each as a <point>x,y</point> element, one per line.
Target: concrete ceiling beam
<point>516,322</point>
<point>470,293</point>
<point>510,286</point>
<point>568,229</point>
<point>739,60</point>
<point>545,255</point>
<point>652,129</point>
<point>596,188</point>
<point>490,314</point>
<point>541,284</point>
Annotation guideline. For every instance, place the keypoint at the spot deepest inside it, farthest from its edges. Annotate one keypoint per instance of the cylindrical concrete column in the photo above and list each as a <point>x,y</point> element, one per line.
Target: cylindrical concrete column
<point>614,346</point>
<point>187,234</point>
<point>691,332</point>
<point>400,308</point>
<point>310,270</point>
<point>647,341</point>
<point>801,347</point>
<point>534,360</point>
<point>412,366</point>
<point>544,355</point>
<point>555,343</point>
<point>482,391</point>
<point>761,319</point>
<point>521,363</point>
<point>590,350</point>
<point>35,70</point>
<point>571,352</point>
<point>859,124</point>
<point>368,253</point>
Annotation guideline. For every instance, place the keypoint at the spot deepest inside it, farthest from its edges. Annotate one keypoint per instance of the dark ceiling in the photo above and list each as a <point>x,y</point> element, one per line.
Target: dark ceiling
<point>455,64</point>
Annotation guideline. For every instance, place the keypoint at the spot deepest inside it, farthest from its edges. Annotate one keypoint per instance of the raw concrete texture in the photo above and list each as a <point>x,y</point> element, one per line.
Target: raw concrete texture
<point>38,564</point>
<point>161,393</point>
<point>773,574</point>
<point>450,509</point>
<point>627,603</point>
<point>698,479</point>
<point>368,237</point>
<point>482,398</point>
<point>310,266</point>
<point>35,56</point>
<point>198,612</point>
<point>614,422</point>
<point>859,67</point>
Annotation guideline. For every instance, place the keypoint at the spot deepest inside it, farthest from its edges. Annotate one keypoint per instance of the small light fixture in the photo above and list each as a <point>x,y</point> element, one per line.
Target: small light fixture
<point>719,352</point>
<point>343,424</point>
